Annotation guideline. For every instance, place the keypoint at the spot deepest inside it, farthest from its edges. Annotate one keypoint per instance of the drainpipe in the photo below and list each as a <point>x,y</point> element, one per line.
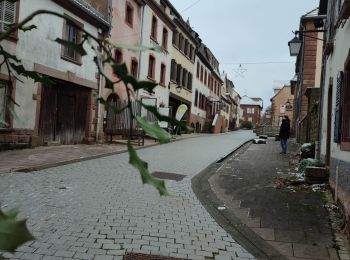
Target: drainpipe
<point>140,53</point>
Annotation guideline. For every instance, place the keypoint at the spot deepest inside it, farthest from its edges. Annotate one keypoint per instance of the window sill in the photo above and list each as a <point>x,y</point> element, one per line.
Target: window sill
<point>12,37</point>
<point>71,60</point>
<point>154,40</point>
<point>129,24</point>
<point>151,79</point>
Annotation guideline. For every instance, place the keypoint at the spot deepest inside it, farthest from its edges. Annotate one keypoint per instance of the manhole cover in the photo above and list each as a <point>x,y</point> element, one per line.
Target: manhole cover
<point>168,176</point>
<point>134,256</point>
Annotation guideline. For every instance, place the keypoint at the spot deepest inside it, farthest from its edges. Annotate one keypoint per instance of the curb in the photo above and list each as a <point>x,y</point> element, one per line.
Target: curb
<point>241,233</point>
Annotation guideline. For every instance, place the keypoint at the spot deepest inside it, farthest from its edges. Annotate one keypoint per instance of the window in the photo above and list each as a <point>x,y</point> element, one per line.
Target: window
<point>186,47</point>
<point>191,52</point>
<point>184,78</point>
<point>345,145</point>
<point>173,70</point>
<point>134,67</point>
<point>165,39</point>
<point>181,39</point>
<point>151,67</point>
<point>162,74</point>
<point>202,73</point>
<point>129,15</point>
<point>3,103</point>
<point>250,110</point>
<point>72,34</point>
<point>190,78</point>
<point>196,98</point>
<point>205,77</point>
<point>118,56</point>
<point>154,28</point>
<point>176,38</point>
<point>163,6</point>
<point>198,70</point>
<point>179,74</point>
<point>7,14</point>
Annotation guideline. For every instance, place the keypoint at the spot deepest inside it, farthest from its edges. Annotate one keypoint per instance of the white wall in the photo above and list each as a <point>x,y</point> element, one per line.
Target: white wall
<point>161,93</point>
<point>38,46</point>
<point>198,85</point>
<point>335,63</point>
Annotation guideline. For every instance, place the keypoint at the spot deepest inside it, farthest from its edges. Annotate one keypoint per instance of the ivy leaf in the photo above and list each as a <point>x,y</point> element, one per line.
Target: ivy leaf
<point>9,56</point>
<point>12,233</point>
<point>164,118</point>
<point>137,48</point>
<point>28,28</point>
<point>142,167</point>
<point>154,130</point>
<point>77,47</point>
<point>20,70</point>
<point>146,85</point>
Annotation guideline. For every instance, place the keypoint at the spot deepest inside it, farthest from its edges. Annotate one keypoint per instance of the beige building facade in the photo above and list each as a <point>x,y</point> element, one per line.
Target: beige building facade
<point>282,105</point>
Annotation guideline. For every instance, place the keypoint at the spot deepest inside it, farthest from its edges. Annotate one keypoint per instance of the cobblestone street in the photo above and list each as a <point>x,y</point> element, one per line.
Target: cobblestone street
<point>99,209</point>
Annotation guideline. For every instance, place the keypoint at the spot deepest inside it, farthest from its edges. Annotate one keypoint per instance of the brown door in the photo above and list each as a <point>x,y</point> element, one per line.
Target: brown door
<point>329,126</point>
<point>64,111</point>
<point>65,123</point>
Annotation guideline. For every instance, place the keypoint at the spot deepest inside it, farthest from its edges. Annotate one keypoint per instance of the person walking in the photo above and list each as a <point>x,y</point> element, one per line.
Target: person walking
<point>284,134</point>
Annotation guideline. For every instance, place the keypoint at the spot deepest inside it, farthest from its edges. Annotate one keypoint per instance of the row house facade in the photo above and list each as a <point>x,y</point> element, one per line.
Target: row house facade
<point>235,98</point>
<point>251,110</point>
<point>335,99</point>
<point>282,105</point>
<point>127,14</point>
<point>157,30</point>
<point>185,42</point>
<point>306,85</point>
<point>64,113</point>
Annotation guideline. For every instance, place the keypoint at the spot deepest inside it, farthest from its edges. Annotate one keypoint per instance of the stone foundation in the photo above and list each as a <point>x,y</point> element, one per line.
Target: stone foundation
<point>17,138</point>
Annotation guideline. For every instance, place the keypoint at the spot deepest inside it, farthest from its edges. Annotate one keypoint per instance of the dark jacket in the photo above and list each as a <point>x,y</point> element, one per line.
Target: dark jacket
<point>285,129</point>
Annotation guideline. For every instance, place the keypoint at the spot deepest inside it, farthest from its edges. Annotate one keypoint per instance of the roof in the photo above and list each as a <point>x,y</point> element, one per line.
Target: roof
<point>87,12</point>
<point>312,15</point>
<point>249,101</point>
<point>90,10</point>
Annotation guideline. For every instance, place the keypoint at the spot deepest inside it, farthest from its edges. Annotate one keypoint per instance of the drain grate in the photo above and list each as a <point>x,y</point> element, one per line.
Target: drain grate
<point>168,176</point>
<point>134,256</point>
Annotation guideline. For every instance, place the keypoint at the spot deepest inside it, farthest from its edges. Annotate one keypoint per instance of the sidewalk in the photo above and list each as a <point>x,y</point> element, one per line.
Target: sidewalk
<point>43,157</point>
<point>274,221</point>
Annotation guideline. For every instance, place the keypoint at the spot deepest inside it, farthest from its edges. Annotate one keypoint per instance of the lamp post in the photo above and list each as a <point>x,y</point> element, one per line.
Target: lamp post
<point>178,87</point>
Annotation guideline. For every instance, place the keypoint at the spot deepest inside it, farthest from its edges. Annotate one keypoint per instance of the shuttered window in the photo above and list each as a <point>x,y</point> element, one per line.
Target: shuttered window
<point>179,74</point>
<point>196,98</point>
<point>190,78</point>
<point>173,70</point>
<point>346,107</point>
<point>338,107</point>
<point>7,14</point>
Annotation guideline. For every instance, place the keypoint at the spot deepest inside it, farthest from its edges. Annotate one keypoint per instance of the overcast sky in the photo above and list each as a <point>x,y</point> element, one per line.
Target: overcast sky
<point>249,31</point>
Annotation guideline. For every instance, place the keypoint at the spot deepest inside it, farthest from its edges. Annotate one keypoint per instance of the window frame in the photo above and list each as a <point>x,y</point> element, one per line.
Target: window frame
<point>128,6</point>
<point>153,69</point>
<point>77,59</point>
<point>154,28</point>
<point>165,38</point>
<point>118,56</point>
<point>162,74</point>
<point>134,72</point>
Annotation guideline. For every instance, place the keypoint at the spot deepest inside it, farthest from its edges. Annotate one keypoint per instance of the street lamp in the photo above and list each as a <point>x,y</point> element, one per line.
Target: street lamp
<point>295,43</point>
<point>288,105</point>
<point>294,46</point>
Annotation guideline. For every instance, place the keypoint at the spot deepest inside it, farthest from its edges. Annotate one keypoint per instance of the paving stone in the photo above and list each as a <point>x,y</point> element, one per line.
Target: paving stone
<point>265,233</point>
<point>309,251</point>
<point>114,207</point>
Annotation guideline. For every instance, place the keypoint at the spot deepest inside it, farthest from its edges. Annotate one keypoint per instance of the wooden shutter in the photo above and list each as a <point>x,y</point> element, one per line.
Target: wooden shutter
<point>338,107</point>
<point>179,74</point>
<point>173,70</point>
<point>190,77</point>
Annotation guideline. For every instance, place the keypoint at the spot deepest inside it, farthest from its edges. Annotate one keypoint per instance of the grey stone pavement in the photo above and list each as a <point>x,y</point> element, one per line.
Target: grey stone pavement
<point>292,220</point>
<point>99,209</point>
